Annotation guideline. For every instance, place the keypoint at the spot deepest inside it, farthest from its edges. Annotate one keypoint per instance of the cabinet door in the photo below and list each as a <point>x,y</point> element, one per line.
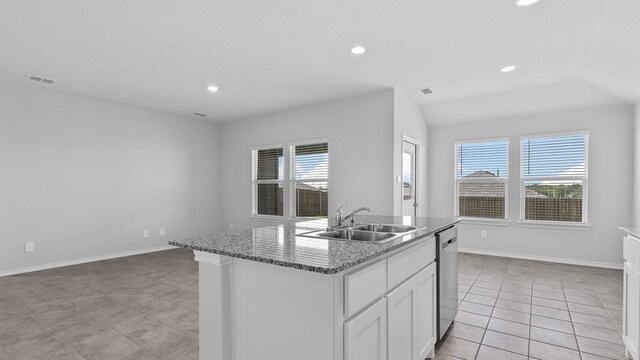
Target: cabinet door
<point>401,319</point>
<point>366,334</point>
<point>631,326</point>
<point>426,311</point>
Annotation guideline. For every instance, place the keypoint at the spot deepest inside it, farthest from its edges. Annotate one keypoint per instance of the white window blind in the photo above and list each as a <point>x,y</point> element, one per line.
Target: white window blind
<point>268,177</point>
<point>554,178</point>
<point>481,179</point>
<point>310,178</point>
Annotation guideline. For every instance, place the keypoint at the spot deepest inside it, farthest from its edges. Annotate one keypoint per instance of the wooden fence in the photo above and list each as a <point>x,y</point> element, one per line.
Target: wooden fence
<point>542,209</point>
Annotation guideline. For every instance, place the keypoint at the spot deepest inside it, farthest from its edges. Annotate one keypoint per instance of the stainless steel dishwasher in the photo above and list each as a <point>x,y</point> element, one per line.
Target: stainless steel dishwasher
<point>447,260</point>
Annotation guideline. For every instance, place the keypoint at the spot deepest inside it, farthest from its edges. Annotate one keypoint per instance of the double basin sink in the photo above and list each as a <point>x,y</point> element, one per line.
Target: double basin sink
<point>372,233</point>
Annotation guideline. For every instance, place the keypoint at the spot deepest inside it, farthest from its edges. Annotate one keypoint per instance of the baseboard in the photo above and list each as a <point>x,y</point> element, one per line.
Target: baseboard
<point>544,258</point>
<point>83,260</point>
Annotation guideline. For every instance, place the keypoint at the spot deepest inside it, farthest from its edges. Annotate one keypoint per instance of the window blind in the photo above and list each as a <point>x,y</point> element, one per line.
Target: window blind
<point>554,178</point>
<point>268,175</point>
<point>481,179</point>
<point>310,164</point>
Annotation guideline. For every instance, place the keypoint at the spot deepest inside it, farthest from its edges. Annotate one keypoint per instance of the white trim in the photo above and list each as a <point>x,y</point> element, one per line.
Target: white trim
<point>557,225</point>
<point>266,147</point>
<point>83,260</point>
<point>416,175</point>
<point>485,221</point>
<point>309,142</point>
<point>291,181</point>
<point>544,258</point>
<point>555,134</point>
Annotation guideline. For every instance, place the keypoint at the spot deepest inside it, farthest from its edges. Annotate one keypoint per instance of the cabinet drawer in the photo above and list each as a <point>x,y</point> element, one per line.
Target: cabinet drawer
<point>408,262</point>
<point>364,286</point>
<point>631,251</point>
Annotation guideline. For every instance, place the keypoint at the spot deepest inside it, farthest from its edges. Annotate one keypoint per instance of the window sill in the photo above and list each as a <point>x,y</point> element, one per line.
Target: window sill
<point>490,222</point>
<point>268,218</point>
<point>555,225</point>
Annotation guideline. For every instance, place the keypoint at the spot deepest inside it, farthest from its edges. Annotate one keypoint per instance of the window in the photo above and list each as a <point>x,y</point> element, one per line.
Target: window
<point>310,176</point>
<point>268,179</point>
<point>481,179</point>
<point>554,178</point>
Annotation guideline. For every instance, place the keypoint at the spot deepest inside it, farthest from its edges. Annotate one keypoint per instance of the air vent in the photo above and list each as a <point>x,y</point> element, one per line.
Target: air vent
<point>40,79</point>
<point>200,114</point>
<point>426,91</point>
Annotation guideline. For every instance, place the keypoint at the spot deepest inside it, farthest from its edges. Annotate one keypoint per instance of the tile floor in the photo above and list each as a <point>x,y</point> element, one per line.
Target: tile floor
<point>519,309</point>
<point>139,307</point>
<point>146,307</point>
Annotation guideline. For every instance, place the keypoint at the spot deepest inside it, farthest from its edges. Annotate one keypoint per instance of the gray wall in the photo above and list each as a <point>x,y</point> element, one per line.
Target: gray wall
<point>82,177</point>
<point>610,184</point>
<point>359,131</point>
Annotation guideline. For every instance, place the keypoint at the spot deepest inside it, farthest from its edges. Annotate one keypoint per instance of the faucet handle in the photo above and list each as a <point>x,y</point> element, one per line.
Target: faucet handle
<point>341,206</point>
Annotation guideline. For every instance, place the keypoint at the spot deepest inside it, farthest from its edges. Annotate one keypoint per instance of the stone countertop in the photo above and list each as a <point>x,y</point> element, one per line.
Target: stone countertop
<point>631,230</point>
<point>283,244</point>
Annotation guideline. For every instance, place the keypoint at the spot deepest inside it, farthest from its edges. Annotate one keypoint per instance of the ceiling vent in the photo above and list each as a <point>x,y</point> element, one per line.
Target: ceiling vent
<point>40,79</point>
<point>200,114</point>
<point>426,91</point>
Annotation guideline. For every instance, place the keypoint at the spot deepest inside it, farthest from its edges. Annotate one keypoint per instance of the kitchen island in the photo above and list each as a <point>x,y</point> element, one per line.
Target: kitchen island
<point>279,293</point>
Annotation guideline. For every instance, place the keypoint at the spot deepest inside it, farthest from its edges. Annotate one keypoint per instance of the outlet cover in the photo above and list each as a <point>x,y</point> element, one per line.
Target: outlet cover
<point>29,247</point>
<point>483,234</point>
<point>162,232</point>
<point>145,233</point>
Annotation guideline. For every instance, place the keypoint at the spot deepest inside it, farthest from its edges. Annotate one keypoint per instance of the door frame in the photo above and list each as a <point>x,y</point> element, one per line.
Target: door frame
<point>417,171</point>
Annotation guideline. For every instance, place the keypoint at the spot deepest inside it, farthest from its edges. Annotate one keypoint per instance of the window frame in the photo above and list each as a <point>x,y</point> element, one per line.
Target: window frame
<point>255,182</point>
<point>292,181</point>
<point>456,182</point>
<point>585,183</point>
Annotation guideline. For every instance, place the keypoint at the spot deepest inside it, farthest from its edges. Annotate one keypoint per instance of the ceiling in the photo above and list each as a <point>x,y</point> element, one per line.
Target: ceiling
<point>271,55</point>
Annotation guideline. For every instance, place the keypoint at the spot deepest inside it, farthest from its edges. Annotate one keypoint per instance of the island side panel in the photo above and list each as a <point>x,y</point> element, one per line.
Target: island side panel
<point>282,313</point>
<point>215,303</point>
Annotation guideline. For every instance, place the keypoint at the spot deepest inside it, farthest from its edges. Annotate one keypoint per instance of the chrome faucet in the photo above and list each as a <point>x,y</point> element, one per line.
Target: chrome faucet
<point>340,219</point>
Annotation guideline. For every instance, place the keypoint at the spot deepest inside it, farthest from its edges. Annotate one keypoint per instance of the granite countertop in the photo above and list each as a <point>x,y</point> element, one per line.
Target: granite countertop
<point>283,245</point>
<point>631,230</point>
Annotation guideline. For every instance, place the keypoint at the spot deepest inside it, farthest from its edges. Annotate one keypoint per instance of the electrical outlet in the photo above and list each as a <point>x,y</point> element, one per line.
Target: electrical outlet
<point>145,233</point>
<point>162,232</point>
<point>29,247</point>
<point>483,234</point>
<point>230,226</point>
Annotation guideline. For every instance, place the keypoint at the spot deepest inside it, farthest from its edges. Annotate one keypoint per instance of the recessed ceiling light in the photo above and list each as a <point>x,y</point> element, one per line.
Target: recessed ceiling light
<point>213,88</point>
<point>507,69</point>
<point>358,50</point>
<point>526,2</point>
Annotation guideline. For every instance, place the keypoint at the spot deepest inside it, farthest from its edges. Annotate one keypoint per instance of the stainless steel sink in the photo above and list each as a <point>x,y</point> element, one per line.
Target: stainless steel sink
<point>357,235</point>
<point>383,228</point>
<point>372,233</point>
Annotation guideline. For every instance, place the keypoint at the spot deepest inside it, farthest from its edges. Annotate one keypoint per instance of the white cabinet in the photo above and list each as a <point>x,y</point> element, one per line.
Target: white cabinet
<point>631,320</point>
<point>426,312</point>
<point>366,334</point>
<point>401,314</point>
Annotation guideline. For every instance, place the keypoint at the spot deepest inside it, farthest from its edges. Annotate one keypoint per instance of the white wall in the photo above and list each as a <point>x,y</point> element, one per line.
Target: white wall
<point>636,166</point>
<point>408,121</point>
<point>610,184</point>
<point>82,177</point>
<point>359,131</point>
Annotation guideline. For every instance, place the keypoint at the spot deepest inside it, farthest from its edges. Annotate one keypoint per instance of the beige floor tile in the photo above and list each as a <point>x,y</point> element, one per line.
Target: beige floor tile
<point>506,342</point>
<point>559,296</point>
<point>554,304</point>
<point>484,292</point>
<point>160,339</point>
<point>467,332</point>
<point>509,327</point>
<point>549,312</point>
<point>513,305</point>
<point>472,319</point>
<point>544,351</point>
<point>480,299</point>
<point>43,347</point>
<point>590,310</point>
<point>476,308</point>
<point>592,332</point>
<point>462,349</point>
<point>596,321</point>
<point>525,299</point>
<point>554,338</point>
<point>601,348</point>
<point>490,353</point>
<point>511,315</point>
<point>551,324</point>
<point>584,300</point>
